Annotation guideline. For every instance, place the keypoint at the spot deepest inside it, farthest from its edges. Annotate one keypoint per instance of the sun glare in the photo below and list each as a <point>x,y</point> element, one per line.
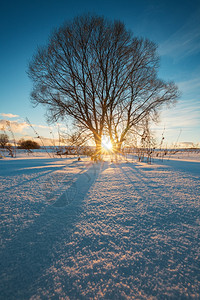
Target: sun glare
<point>106,143</point>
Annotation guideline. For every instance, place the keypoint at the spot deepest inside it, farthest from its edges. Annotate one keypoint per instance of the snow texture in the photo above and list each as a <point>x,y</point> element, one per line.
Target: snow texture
<point>112,230</point>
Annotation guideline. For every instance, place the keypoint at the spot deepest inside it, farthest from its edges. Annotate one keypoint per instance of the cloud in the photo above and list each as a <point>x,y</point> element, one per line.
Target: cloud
<point>8,115</point>
<point>186,144</point>
<point>14,125</point>
<point>23,129</point>
<point>189,85</point>
<point>182,116</point>
<point>185,41</point>
<point>183,120</point>
<point>40,126</point>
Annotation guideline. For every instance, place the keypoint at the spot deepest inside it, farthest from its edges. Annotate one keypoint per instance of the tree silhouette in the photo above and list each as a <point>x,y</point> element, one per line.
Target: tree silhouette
<point>96,72</point>
<point>3,140</point>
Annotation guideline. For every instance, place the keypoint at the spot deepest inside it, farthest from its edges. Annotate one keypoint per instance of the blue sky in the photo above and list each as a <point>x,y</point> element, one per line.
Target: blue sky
<point>173,25</point>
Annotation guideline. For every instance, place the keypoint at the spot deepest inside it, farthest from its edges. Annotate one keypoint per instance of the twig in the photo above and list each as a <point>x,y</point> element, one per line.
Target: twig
<point>38,136</point>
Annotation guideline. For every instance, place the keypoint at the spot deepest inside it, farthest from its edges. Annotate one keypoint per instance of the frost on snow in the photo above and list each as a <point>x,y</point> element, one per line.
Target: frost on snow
<point>77,230</point>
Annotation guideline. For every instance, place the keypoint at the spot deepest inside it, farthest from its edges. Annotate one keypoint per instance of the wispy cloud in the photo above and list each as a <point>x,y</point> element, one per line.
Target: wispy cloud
<point>9,115</point>
<point>180,123</point>
<point>40,126</point>
<point>186,144</point>
<point>184,115</point>
<point>185,41</point>
<point>15,125</point>
<point>189,85</point>
<point>22,127</point>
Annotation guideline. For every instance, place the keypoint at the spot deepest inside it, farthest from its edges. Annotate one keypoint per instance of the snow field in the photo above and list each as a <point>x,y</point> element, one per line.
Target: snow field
<point>78,230</point>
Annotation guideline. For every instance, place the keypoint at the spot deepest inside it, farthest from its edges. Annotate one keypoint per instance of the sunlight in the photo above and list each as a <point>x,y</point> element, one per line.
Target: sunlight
<point>106,143</point>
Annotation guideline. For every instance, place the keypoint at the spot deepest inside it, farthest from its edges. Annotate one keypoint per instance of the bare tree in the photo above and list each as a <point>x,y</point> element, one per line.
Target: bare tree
<point>3,140</point>
<point>142,93</point>
<point>96,72</point>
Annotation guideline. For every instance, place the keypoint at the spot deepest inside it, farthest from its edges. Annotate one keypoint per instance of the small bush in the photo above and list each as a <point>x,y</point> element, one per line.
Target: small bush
<point>28,144</point>
<point>3,140</point>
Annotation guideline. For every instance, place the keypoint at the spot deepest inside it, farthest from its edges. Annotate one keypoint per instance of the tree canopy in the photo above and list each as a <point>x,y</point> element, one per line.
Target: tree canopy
<point>3,140</point>
<point>28,144</point>
<point>95,71</point>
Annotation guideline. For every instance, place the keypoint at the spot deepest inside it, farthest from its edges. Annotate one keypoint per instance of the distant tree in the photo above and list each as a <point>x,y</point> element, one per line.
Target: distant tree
<point>96,72</point>
<point>3,140</point>
<point>28,144</point>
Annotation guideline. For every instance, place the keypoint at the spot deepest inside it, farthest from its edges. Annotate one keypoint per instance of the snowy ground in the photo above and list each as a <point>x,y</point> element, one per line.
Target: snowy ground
<point>77,230</point>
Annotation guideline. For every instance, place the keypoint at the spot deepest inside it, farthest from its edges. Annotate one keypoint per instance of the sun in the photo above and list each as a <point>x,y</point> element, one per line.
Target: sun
<point>106,143</point>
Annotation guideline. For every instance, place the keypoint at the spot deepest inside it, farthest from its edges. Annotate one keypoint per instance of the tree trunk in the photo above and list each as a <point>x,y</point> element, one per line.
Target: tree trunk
<point>118,147</point>
<point>98,150</point>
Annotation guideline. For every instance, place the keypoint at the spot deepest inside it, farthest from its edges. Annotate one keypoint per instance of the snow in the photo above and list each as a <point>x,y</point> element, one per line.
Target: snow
<point>112,230</point>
